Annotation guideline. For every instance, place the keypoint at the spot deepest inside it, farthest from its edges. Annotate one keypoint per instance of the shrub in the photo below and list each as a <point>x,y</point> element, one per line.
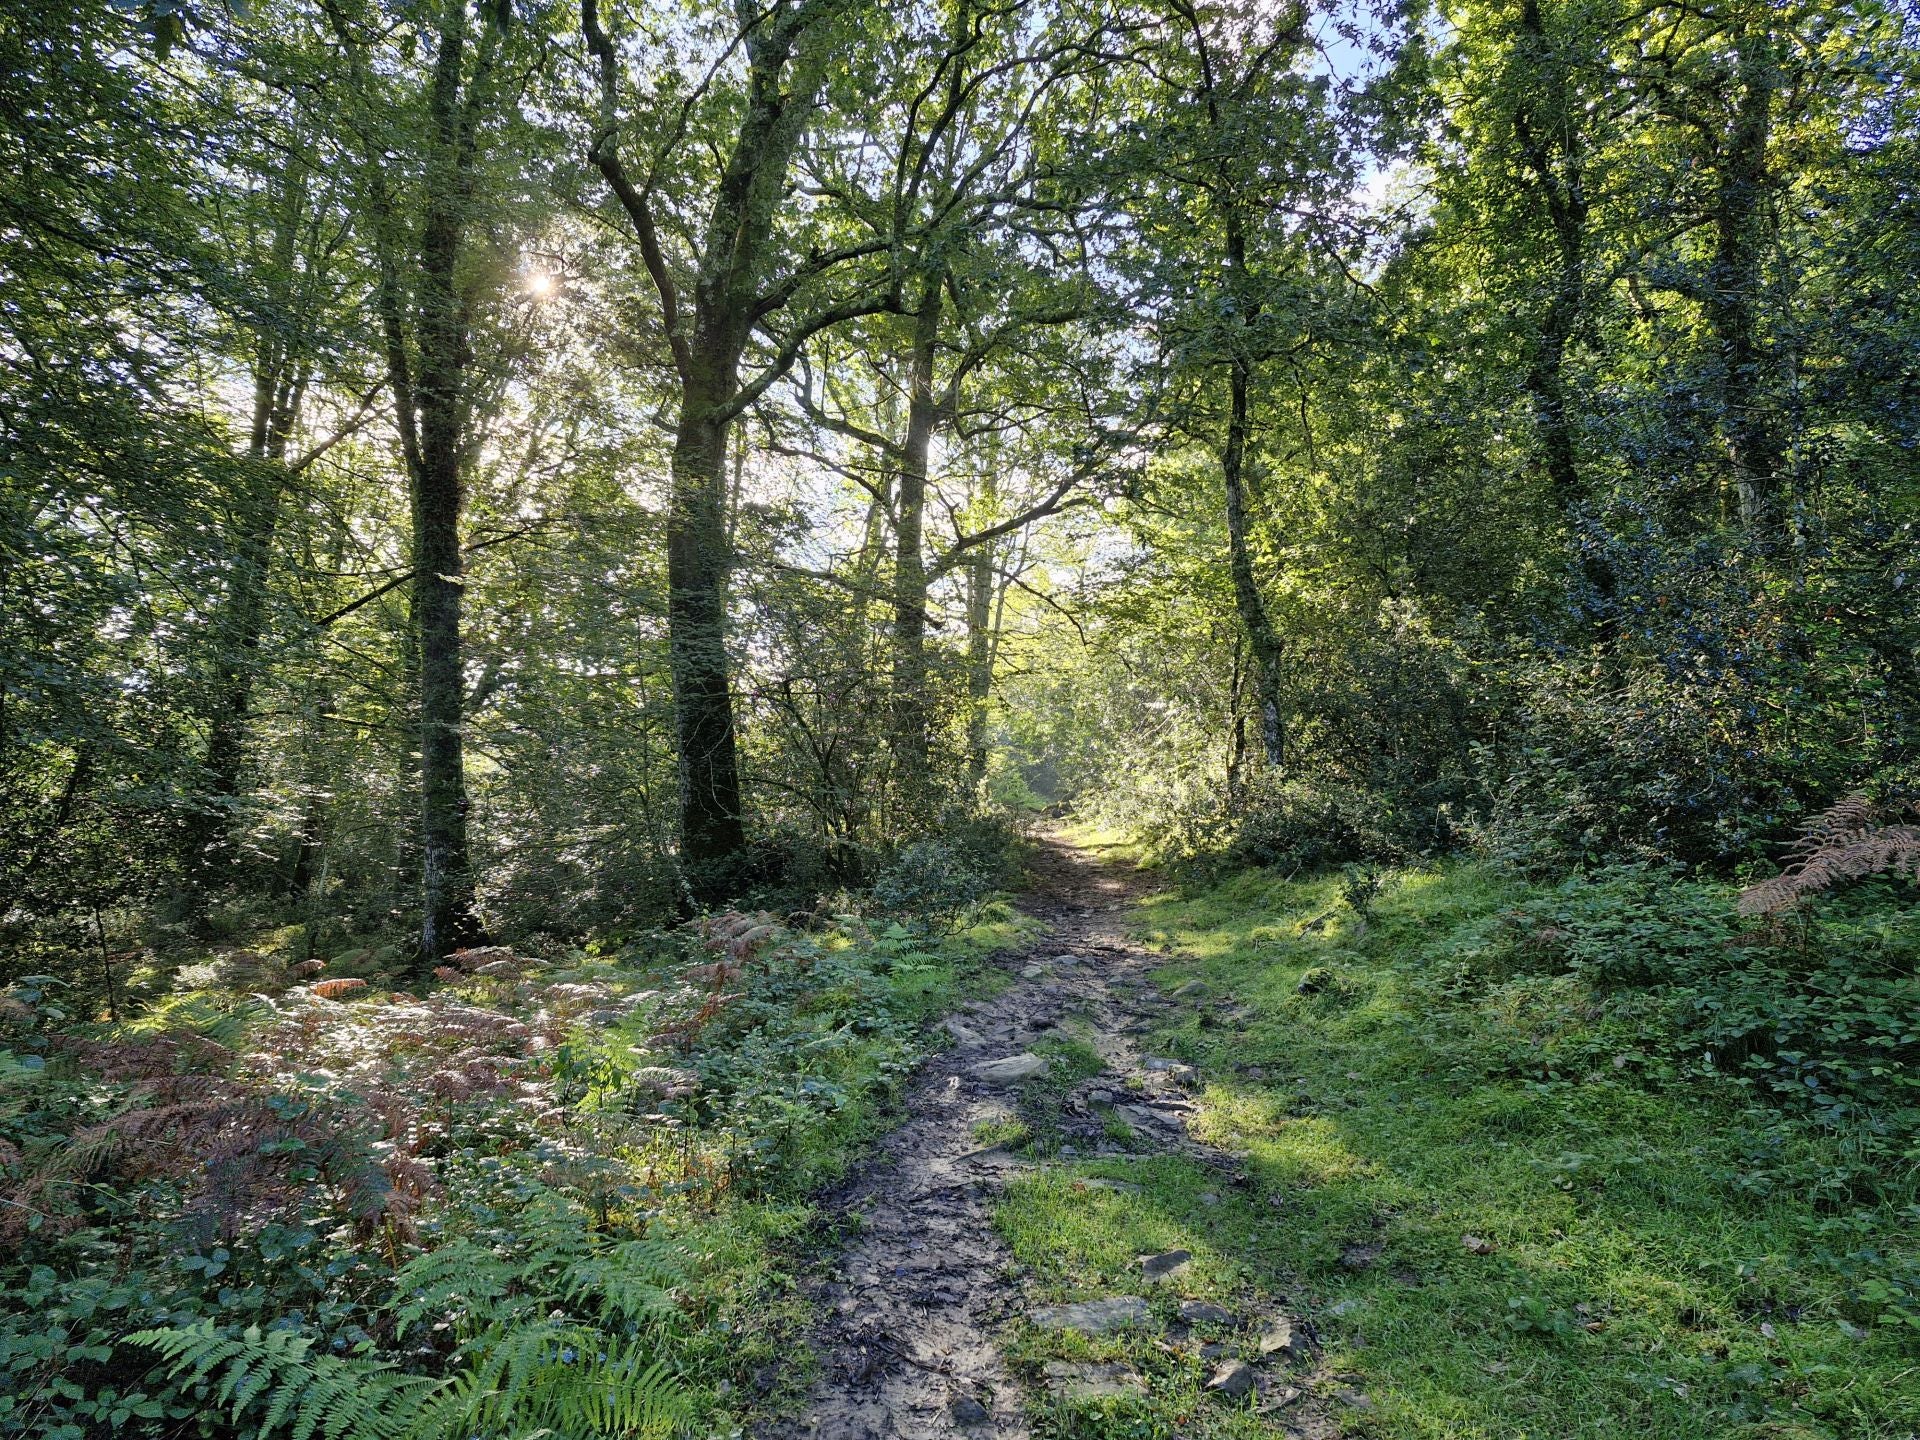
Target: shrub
<point>935,881</point>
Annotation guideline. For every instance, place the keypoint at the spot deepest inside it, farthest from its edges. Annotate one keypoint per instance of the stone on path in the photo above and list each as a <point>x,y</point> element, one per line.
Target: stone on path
<point>1159,1267</point>
<point>1012,1070</point>
<point>1093,1317</point>
<point>1233,1379</point>
<point>1073,1380</point>
<point>961,1034</point>
<point>968,1411</point>
<point>1033,971</point>
<point>1278,1338</point>
<point>1205,1312</point>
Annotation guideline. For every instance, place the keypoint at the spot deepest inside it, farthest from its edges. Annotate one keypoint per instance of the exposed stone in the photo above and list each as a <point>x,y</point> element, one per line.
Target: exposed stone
<point>1033,971</point>
<point>1233,1379</point>
<point>1205,1312</point>
<point>968,1411</point>
<point>1072,1380</point>
<point>1159,1267</point>
<point>1192,990</point>
<point>1010,1071</point>
<point>1093,1317</point>
<point>961,1034</point>
<point>1278,1338</point>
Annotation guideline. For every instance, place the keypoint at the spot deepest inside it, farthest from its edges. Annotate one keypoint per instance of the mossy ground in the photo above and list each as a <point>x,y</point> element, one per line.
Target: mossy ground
<point>1627,1285</point>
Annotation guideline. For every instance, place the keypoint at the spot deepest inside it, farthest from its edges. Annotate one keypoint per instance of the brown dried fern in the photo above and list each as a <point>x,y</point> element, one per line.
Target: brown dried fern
<point>1850,840</point>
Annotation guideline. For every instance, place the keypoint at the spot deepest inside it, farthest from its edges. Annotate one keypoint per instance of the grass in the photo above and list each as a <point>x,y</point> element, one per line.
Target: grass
<point>1617,1281</point>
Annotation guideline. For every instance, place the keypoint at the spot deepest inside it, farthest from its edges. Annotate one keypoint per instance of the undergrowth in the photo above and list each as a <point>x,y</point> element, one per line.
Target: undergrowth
<point>546,1198</point>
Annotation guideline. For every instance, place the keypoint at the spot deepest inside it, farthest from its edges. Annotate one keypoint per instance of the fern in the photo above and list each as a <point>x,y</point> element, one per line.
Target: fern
<point>274,1381</point>
<point>533,1378</point>
<point>1849,841</point>
<point>570,1380</point>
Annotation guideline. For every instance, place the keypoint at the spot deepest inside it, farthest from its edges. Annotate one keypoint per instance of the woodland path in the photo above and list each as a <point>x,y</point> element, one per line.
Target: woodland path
<point>914,1301</point>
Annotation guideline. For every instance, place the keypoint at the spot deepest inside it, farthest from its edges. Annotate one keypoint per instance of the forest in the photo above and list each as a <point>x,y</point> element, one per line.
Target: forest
<point>901,719</point>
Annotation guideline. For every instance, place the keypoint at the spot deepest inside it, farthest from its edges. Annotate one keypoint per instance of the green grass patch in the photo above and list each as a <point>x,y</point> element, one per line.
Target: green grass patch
<point>1397,1084</point>
<point>1484,1176</point>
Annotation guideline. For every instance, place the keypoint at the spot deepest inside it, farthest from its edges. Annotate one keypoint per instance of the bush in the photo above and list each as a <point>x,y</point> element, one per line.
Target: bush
<point>934,881</point>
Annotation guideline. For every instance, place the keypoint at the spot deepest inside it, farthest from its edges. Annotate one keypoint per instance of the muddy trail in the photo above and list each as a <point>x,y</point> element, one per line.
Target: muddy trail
<point>914,1302</point>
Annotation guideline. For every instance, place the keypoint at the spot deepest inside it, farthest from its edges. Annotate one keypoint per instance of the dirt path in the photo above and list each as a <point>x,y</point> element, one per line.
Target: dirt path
<point>914,1303</point>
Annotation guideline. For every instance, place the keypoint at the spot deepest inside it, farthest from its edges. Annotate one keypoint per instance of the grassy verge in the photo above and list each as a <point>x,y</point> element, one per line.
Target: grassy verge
<point>1486,1245</point>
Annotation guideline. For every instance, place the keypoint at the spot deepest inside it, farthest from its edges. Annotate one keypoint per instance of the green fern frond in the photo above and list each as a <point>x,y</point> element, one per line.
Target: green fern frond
<point>566,1380</point>
<point>273,1380</point>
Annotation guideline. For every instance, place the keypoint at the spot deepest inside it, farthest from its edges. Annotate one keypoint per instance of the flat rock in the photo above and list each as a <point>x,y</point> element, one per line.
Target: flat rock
<point>1233,1379</point>
<point>1074,1380</point>
<point>1159,1267</point>
<point>1093,1317</point>
<point>961,1034</point>
<point>1278,1338</point>
<point>1205,1312</point>
<point>1010,1071</point>
<point>1192,990</point>
<point>968,1411</point>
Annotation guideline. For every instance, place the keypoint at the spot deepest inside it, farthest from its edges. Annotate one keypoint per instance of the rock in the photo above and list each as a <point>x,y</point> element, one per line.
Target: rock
<point>1159,1267</point>
<point>1033,971</point>
<point>1478,1245</point>
<point>1158,1064</point>
<point>1355,1399</point>
<point>1233,1379</point>
<point>1192,990</point>
<point>1212,1350</point>
<point>1093,1317</point>
<point>1010,1071</point>
<point>1205,1312</point>
<point>1278,1338</point>
<point>1072,1380</point>
<point>1067,959</point>
<point>1099,1097</point>
<point>1343,1308</point>
<point>961,1034</point>
<point>1209,1197</point>
<point>968,1411</point>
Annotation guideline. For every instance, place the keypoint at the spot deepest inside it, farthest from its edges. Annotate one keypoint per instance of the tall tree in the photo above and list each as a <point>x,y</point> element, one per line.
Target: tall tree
<point>740,272</point>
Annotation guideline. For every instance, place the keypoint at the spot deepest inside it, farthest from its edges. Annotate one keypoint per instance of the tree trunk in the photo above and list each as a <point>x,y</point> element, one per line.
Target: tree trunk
<point>1551,148</point>
<point>279,387</point>
<point>437,456</point>
<point>1262,639</point>
<point>712,834</point>
<point>1755,447</point>
<point>981,590</point>
<point>910,700</point>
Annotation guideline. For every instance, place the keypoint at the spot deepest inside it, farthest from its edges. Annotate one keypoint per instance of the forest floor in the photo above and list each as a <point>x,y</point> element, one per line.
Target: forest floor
<point>1280,1174</point>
